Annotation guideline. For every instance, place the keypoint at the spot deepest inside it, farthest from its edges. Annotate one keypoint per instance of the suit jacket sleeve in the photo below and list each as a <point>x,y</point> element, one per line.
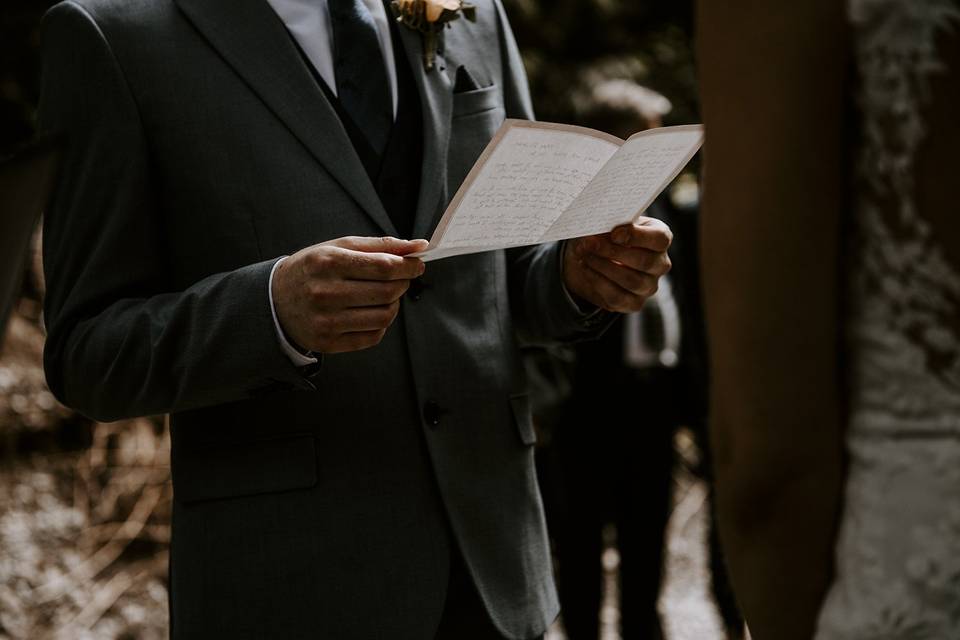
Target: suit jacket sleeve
<point>121,340</point>
<point>542,309</point>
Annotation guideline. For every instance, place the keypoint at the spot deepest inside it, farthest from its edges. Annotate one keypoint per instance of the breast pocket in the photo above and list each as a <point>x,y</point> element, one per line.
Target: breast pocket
<point>471,102</point>
<point>476,117</point>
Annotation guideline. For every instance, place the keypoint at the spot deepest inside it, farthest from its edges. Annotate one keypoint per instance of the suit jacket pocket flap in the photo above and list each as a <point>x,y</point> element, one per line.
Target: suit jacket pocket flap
<point>523,416</point>
<point>249,468</point>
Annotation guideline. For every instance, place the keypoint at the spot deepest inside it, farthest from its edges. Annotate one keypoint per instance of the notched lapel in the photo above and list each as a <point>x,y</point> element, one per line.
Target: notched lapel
<point>436,100</point>
<point>253,40</point>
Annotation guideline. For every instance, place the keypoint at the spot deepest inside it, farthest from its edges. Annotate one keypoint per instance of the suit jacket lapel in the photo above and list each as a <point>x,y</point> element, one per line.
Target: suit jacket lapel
<point>436,101</point>
<point>253,40</point>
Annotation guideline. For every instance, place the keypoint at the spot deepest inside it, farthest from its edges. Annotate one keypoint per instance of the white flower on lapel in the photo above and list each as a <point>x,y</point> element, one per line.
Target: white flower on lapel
<point>429,17</point>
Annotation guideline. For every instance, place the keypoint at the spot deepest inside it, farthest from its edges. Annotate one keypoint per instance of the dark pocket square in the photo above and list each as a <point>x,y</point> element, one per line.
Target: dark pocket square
<point>464,81</point>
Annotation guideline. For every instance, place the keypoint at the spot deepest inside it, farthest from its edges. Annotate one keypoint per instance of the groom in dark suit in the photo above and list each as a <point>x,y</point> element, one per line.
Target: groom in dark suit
<point>352,447</point>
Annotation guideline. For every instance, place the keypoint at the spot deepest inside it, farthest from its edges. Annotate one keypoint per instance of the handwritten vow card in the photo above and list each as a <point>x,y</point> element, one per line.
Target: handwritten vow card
<point>538,182</point>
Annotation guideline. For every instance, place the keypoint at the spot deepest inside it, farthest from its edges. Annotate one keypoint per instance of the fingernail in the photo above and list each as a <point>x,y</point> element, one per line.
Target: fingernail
<point>621,236</point>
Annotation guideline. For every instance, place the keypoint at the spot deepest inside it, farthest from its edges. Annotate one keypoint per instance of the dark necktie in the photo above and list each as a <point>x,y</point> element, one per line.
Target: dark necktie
<point>652,329</point>
<point>361,75</point>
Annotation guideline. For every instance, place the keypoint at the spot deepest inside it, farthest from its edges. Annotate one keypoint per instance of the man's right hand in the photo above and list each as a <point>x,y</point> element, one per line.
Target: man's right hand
<point>343,294</point>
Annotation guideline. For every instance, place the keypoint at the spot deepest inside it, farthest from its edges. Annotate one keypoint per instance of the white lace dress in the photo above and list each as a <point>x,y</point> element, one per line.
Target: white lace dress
<point>898,553</point>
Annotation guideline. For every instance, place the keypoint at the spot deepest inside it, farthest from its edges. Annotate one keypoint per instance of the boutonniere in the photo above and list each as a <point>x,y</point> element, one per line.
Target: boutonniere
<point>429,17</point>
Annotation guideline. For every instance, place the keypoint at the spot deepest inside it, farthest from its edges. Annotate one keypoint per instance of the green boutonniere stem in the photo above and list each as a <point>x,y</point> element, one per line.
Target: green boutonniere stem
<point>429,18</point>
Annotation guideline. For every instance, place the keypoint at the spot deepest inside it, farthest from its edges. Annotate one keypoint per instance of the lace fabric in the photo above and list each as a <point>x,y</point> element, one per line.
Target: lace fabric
<point>898,553</point>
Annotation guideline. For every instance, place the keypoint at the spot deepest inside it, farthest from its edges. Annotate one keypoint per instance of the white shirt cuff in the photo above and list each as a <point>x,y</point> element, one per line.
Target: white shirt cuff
<point>586,313</point>
<point>297,358</point>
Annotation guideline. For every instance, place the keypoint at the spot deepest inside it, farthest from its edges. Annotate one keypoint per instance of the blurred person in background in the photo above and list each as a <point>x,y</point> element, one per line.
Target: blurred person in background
<point>605,463</point>
<point>831,249</point>
<point>26,179</point>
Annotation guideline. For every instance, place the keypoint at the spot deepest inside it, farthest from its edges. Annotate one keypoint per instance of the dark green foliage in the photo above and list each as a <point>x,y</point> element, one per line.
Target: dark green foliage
<point>570,45</point>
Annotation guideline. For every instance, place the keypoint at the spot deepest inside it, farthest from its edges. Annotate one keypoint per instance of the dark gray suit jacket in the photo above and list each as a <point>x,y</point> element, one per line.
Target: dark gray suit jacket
<point>201,150</point>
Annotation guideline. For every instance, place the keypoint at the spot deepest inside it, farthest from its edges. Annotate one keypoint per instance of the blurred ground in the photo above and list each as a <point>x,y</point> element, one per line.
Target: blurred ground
<point>685,601</point>
<point>84,508</point>
<point>84,556</point>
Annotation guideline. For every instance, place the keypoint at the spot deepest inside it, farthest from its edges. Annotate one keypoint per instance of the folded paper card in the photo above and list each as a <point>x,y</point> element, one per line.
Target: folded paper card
<point>539,182</point>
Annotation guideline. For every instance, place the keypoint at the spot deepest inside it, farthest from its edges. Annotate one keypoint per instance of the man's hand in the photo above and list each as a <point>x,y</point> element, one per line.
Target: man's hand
<point>342,295</point>
<point>618,271</point>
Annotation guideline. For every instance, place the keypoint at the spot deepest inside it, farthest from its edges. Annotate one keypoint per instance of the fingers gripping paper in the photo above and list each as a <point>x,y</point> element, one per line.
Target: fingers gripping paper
<point>539,182</point>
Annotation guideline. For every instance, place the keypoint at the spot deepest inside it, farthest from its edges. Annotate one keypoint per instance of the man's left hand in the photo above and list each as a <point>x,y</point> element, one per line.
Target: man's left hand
<point>618,271</point>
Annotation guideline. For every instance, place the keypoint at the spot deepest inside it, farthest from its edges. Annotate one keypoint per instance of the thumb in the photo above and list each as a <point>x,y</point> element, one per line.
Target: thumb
<point>385,244</point>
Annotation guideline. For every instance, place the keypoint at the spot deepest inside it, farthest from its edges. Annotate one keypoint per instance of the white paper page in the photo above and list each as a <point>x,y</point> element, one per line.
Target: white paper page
<point>527,177</point>
<point>629,183</point>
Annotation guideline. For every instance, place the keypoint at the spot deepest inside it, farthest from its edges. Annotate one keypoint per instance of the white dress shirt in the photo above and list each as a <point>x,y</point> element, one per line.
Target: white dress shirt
<point>308,21</point>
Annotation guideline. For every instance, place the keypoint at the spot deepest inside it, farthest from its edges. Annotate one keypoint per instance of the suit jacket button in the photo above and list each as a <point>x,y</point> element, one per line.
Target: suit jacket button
<point>415,292</point>
<point>431,413</point>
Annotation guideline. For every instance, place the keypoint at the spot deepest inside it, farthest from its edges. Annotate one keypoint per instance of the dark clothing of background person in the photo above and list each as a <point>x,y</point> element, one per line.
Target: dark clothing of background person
<point>26,180</point>
<point>604,465</point>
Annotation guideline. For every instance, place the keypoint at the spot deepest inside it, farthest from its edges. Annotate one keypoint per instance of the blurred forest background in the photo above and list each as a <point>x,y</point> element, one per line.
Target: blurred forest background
<point>84,507</point>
